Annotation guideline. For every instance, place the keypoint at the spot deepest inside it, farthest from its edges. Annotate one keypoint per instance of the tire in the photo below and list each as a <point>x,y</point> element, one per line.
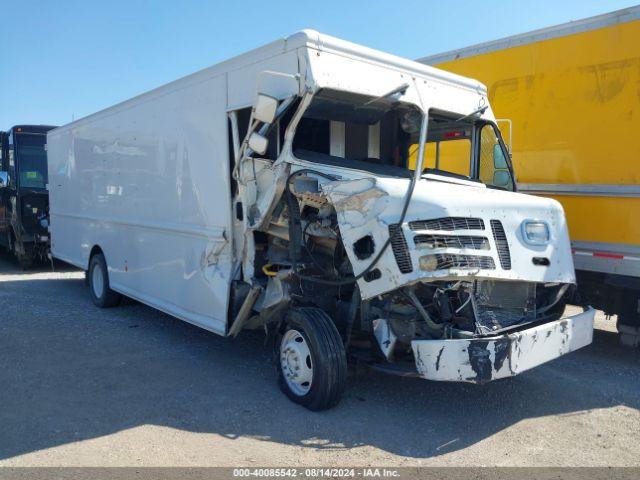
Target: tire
<point>629,310</point>
<point>629,340</point>
<point>310,341</point>
<point>555,312</point>
<point>25,262</point>
<point>98,277</point>
<point>11,249</point>
<point>558,309</point>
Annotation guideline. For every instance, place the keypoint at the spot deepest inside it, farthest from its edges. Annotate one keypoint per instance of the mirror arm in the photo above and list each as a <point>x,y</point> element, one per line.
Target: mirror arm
<point>264,129</point>
<point>244,150</point>
<point>233,119</point>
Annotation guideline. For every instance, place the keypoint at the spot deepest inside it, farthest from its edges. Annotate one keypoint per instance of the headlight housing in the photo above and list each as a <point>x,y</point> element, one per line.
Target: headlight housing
<point>428,263</point>
<point>536,232</point>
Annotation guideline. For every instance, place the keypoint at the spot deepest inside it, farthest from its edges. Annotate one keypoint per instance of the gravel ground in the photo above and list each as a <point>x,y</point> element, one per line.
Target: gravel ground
<point>130,386</point>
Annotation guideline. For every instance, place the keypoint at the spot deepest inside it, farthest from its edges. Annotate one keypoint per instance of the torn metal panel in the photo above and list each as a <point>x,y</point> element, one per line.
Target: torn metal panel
<point>359,205</point>
<point>357,202</point>
<point>385,337</point>
<point>277,291</point>
<point>263,182</point>
<point>480,360</point>
<point>210,260</point>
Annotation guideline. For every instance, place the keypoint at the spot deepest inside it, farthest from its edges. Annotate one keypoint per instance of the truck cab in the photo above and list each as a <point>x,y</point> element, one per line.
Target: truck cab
<point>391,205</point>
<point>24,200</point>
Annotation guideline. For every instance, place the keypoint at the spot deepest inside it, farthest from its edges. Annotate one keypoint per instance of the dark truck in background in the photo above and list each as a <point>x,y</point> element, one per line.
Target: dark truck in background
<point>24,199</point>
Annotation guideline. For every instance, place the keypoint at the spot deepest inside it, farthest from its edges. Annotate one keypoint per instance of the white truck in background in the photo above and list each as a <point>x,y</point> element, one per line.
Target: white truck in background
<point>284,189</point>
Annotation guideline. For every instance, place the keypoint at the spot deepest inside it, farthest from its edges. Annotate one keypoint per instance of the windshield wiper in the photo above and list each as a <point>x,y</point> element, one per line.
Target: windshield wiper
<point>445,173</point>
<point>401,89</point>
<point>480,111</point>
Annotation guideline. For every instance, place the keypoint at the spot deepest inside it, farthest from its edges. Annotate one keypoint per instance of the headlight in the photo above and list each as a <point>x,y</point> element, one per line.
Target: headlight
<point>428,263</point>
<point>536,232</point>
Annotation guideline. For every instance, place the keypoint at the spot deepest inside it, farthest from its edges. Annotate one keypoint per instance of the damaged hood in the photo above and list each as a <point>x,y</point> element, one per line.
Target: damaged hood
<point>471,231</point>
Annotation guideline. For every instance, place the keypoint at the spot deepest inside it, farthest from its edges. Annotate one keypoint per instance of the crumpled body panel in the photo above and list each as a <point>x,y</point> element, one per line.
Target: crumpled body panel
<point>369,206</point>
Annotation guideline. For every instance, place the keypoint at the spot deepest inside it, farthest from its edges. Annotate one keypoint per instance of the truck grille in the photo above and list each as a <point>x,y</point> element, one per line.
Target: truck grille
<point>504,255</point>
<point>448,224</point>
<point>400,248</point>
<point>451,241</point>
<point>447,260</point>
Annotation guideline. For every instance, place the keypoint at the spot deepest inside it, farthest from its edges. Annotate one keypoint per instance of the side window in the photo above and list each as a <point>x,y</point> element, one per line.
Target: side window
<point>11,167</point>
<point>313,135</point>
<point>493,166</point>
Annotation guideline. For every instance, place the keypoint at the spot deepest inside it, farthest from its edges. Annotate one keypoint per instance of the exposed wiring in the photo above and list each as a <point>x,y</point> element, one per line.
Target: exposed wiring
<point>464,304</point>
<point>306,247</point>
<point>267,272</point>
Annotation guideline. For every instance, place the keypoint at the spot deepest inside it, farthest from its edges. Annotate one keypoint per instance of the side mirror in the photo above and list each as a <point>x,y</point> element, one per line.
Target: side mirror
<point>258,143</point>
<point>265,108</point>
<point>4,179</point>
<point>501,178</point>
<point>499,161</point>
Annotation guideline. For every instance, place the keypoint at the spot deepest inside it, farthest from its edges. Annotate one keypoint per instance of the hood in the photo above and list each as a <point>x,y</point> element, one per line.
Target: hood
<point>474,232</point>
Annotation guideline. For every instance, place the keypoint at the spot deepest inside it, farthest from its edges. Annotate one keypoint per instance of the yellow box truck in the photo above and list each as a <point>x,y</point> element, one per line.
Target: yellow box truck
<point>570,97</point>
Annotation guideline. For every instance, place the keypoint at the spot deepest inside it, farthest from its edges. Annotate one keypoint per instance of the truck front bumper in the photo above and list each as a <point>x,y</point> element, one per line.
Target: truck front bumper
<point>481,360</point>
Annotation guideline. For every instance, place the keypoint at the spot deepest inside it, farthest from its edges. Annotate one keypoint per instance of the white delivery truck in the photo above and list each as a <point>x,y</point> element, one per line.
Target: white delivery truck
<point>285,189</point>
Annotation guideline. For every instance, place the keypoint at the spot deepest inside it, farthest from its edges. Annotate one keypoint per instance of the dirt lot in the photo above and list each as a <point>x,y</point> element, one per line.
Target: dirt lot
<point>131,386</point>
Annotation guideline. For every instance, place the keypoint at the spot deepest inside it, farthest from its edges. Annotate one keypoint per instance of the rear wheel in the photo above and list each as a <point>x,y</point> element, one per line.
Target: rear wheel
<point>312,365</point>
<point>25,261</point>
<point>23,258</point>
<point>101,293</point>
<point>11,244</point>
<point>629,319</point>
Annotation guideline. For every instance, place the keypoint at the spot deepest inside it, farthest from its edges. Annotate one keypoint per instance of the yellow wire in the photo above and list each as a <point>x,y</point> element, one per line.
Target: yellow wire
<point>267,272</point>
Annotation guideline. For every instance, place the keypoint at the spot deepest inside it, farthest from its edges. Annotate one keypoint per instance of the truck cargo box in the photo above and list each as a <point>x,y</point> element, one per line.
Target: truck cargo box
<point>570,95</point>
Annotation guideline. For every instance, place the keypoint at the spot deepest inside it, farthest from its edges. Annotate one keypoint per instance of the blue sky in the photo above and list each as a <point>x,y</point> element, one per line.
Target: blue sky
<point>64,59</point>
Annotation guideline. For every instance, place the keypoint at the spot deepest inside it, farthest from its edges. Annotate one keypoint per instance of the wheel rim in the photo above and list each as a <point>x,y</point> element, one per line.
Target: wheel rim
<point>295,362</point>
<point>97,280</point>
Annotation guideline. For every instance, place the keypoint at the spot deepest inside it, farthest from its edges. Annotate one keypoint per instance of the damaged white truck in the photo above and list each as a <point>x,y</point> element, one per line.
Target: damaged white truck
<point>353,204</point>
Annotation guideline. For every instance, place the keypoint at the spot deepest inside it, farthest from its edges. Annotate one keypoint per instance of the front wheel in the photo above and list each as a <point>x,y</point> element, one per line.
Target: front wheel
<point>312,364</point>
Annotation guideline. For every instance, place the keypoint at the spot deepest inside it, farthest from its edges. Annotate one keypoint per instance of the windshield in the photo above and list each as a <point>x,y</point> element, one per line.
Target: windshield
<point>31,160</point>
<point>381,136</point>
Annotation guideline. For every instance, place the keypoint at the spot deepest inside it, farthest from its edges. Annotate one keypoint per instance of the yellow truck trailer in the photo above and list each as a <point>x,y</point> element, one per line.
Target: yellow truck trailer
<point>570,97</point>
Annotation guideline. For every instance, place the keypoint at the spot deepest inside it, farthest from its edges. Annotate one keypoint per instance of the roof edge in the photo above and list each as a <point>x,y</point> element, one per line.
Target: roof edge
<point>320,41</point>
<point>616,17</point>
